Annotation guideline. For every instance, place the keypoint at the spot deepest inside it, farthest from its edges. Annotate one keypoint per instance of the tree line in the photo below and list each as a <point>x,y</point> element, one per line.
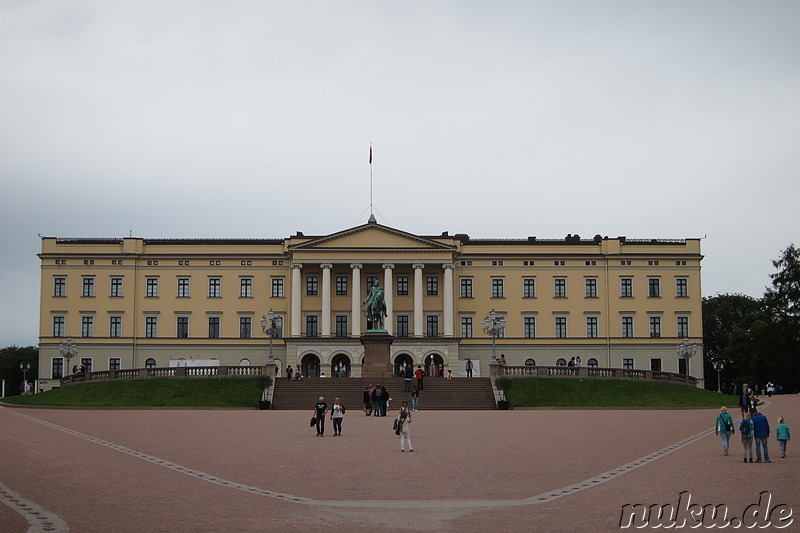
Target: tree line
<point>10,359</point>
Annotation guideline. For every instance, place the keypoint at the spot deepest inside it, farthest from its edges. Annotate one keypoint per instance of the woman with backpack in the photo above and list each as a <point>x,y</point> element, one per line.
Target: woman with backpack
<point>724,428</point>
<point>746,431</point>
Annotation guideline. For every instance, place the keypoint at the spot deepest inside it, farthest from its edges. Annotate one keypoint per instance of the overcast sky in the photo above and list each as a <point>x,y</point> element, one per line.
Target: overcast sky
<point>650,119</point>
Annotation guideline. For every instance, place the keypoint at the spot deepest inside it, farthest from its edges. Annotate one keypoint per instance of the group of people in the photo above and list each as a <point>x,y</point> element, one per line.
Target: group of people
<point>376,400</point>
<point>574,361</point>
<point>78,369</point>
<point>753,429</point>
<point>337,411</point>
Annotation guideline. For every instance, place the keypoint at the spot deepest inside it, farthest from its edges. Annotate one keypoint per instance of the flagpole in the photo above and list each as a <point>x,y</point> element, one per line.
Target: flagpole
<point>370,179</point>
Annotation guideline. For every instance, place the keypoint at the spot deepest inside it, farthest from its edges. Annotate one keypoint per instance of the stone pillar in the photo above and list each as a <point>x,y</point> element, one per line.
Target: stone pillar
<point>356,302</point>
<point>419,320</point>
<point>326,300</point>
<point>296,304</point>
<point>388,291</point>
<point>448,300</point>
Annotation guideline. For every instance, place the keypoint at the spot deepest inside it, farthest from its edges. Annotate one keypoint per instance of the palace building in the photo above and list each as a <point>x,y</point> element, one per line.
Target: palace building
<point>139,302</point>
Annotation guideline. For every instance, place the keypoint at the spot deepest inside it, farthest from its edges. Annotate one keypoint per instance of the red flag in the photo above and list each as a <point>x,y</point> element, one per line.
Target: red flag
<point>370,154</point>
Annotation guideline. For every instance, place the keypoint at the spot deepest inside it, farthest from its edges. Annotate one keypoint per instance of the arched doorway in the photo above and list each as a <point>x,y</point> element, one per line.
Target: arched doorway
<point>310,366</point>
<point>401,363</point>
<point>432,362</point>
<point>340,366</point>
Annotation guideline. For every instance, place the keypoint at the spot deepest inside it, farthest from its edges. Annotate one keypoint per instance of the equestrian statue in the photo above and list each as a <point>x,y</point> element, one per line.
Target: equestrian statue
<point>376,307</point>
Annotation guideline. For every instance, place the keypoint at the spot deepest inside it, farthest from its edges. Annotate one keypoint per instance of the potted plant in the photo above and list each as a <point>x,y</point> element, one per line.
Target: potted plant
<point>504,384</point>
<point>263,382</point>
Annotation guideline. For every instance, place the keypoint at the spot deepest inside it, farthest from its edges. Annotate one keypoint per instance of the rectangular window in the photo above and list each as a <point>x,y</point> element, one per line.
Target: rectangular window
<point>312,286</point>
<point>246,288</point>
<point>87,326</point>
<point>88,287</point>
<point>58,326</point>
<point>183,327</point>
<point>529,287</point>
<point>152,288</point>
<point>277,287</point>
<point>213,327</point>
<point>655,327</point>
<point>683,327</point>
<point>466,327</point>
<point>655,365</point>
<point>560,288</point>
<point>116,287</point>
<point>627,327</point>
<point>402,326</point>
<point>653,287</point>
<point>561,327</point>
<point>341,325</point>
<point>183,287</point>
<point>681,288</point>
<point>466,287</point>
<point>312,326</point>
<point>402,285</point>
<point>58,368</point>
<point>497,288</point>
<point>626,287</point>
<point>591,327</point>
<point>341,285</point>
<point>591,287</point>
<point>115,326</point>
<point>59,287</point>
<point>627,364</point>
<point>432,326</point>
<point>87,363</point>
<point>151,327</point>
<point>245,327</point>
<point>529,327</point>
<point>433,286</point>
<point>214,287</point>
<point>114,363</point>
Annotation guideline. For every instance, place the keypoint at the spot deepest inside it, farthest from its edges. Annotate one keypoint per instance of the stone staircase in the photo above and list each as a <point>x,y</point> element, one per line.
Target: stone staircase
<point>438,394</point>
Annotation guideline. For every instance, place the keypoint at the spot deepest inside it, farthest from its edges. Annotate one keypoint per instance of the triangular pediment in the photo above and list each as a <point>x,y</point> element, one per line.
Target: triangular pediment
<point>374,237</point>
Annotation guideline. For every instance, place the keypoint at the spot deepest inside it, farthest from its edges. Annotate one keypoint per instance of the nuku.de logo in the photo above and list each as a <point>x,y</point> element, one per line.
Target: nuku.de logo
<point>692,515</point>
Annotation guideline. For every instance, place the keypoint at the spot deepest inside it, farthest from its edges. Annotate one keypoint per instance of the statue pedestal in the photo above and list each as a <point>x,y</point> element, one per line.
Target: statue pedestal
<point>377,357</point>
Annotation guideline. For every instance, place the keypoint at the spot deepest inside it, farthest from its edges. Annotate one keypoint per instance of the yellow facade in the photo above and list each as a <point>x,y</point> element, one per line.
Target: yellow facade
<point>133,302</point>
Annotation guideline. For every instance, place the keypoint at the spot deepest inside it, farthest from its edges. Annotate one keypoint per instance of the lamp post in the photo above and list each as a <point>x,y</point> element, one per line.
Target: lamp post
<point>269,328</point>
<point>718,366</point>
<point>68,350</point>
<point>25,369</point>
<point>686,351</point>
<point>494,325</point>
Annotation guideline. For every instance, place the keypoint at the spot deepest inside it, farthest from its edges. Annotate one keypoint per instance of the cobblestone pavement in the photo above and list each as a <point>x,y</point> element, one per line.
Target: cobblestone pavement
<point>234,470</point>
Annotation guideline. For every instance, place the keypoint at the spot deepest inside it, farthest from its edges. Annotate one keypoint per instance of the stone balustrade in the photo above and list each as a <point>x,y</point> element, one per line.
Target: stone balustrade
<point>177,372</point>
<point>587,372</point>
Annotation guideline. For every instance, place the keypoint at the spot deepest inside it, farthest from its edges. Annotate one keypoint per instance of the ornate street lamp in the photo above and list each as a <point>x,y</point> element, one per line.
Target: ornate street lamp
<point>68,350</point>
<point>269,328</point>
<point>686,351</point>
<point>494,325</point>
<point>718,366</point>
<point>25,369</point>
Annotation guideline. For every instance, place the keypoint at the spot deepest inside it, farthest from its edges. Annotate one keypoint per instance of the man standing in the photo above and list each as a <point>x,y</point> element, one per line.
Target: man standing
<point>761,434</point>
<point>744,400</point>
<point>420,374</point>
<point>407,379</point>
<point>469,367</point>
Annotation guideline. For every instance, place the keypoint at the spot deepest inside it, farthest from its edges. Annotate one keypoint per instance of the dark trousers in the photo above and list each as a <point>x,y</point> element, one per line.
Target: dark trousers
<point>320,425</point>
<point>419,384</point>
<point>337,425</point>
<point>407,385</point>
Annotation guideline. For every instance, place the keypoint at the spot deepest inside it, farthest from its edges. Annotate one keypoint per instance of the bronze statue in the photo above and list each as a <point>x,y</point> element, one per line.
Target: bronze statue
<point>376,307</point>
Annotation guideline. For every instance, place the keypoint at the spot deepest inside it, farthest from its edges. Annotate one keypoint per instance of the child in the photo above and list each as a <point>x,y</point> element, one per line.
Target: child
<point>783,435</point>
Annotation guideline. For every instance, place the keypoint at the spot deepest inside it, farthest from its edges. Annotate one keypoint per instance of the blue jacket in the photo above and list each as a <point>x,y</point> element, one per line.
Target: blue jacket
<point>760,426</point>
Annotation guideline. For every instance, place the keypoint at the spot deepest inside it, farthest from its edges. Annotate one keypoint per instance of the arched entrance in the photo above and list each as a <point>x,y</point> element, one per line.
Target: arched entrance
<point>432,362</point>
<point>310,366</point>
<point>401,363</point>
<point>340,366</point>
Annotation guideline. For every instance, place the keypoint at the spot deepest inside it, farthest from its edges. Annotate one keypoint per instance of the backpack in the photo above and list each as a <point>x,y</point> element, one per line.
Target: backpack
<point>746,428</point>
<point>378,394</point>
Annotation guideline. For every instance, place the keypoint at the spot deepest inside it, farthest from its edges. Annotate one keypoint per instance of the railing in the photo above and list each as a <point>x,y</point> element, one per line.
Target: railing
<point>178,372</point>
<point>496,371</point>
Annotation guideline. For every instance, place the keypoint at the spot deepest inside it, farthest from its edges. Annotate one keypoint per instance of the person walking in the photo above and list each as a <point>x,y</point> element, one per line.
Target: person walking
<point>319,413</point>
<point>724,428</point>
<point>376,400</point>
<point>407,375</point>
<point>403,422</point>
<point>337,414</point>
<point>744,401</point>
<point>746,431</point>
<point>289,372</point>
<point>367,399</point>
<point>761,434</point>
<point>384,400</point>
<point>783,435</point>
<point>469,367</point>
<point>420,374</point>
<point>414,399</point>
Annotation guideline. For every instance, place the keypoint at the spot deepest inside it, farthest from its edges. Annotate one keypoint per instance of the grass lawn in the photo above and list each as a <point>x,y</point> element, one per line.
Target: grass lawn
<point>553,392</point>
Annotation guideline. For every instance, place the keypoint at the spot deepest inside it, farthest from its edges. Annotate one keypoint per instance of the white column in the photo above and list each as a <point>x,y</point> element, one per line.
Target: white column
<point>419,322</point>
<point>326,300</point>
<point>356,312</point>
<point>296,303</point>
<point>388,291</point>
<point>448,300</point>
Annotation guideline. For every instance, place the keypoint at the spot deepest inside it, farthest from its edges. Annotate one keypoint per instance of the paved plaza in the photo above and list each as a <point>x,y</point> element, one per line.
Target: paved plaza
<point>235,470</point>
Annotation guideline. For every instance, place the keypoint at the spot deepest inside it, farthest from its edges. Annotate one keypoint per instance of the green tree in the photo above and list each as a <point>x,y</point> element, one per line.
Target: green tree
<point>782,303</point>
<point>10,359</point>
